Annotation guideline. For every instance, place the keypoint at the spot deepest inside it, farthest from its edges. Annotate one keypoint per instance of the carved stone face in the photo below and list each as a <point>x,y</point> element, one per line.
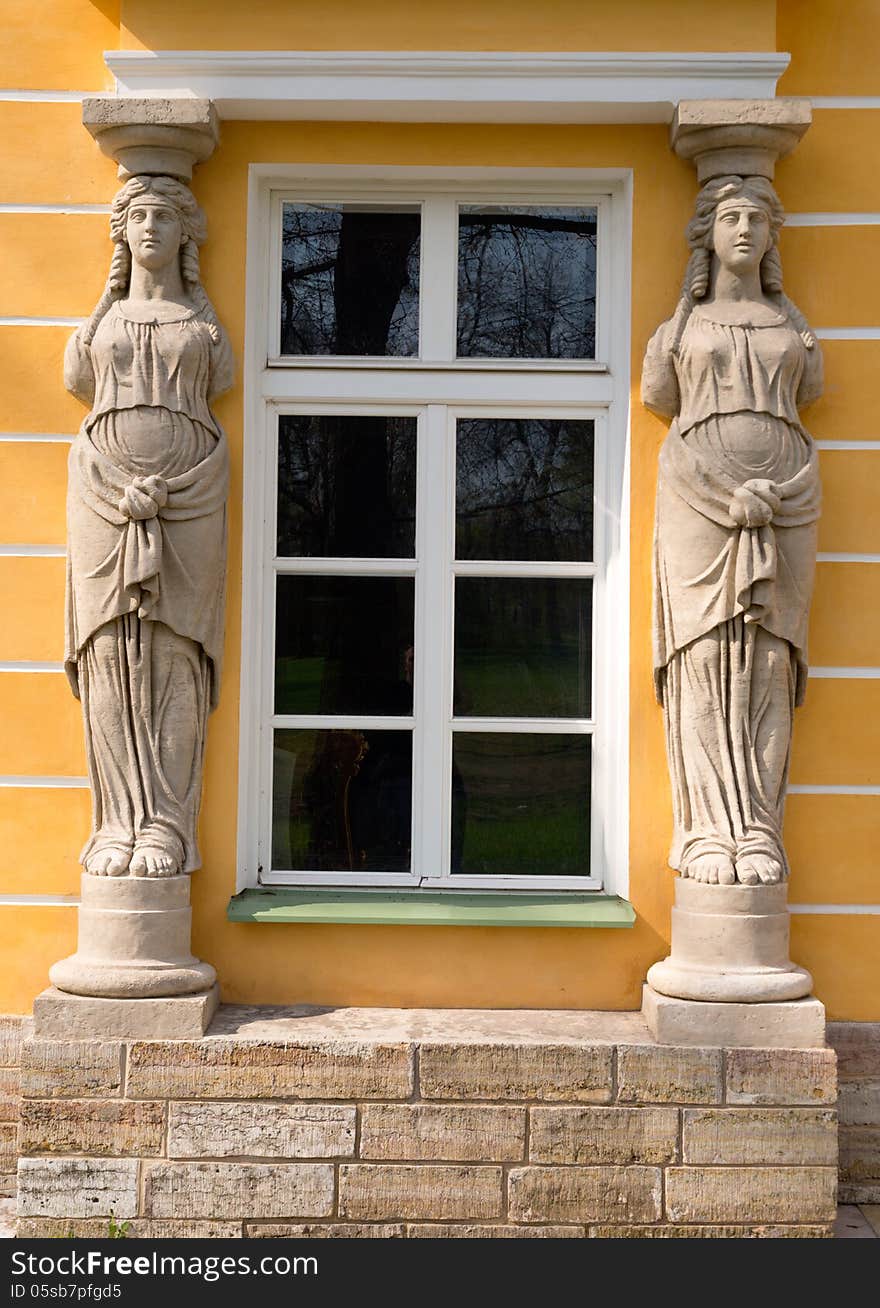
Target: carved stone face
<point>741,235</point>
<point>154,233</point>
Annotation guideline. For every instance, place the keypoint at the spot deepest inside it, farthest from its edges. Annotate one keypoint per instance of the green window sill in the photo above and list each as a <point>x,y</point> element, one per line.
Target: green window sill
<point>421,908</point>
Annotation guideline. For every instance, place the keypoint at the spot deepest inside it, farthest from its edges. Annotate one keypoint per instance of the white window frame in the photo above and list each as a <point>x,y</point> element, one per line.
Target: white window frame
<point>436,388</point>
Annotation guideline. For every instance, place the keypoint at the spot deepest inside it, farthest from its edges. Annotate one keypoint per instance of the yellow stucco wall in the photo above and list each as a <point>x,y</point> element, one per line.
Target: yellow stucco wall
<point>56,264</point>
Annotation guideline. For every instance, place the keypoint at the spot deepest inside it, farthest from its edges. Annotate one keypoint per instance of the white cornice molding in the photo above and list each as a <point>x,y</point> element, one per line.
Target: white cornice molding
<point>471,86</point>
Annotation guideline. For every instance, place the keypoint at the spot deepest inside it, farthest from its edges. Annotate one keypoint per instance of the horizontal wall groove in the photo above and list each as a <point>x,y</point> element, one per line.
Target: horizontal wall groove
<point>33,551</point>
<point>847,333</point>
<point>843,674</point>
<point>54,437</point>
<point>55,208</point>
<point>832,219</point>
<point>31,665</point>
<point>859,446</point>
<point>827,557</point>
<point>836,910</point>
<point>47,97</point>
<point>36,901</point>
<point>38,782</point>
<point>843,101</point>
<point>40,322</point>
<point>806,789</point>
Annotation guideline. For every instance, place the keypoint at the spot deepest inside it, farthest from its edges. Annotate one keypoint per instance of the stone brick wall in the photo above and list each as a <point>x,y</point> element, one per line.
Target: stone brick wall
<point>858,1055</point>
<point>11,1031</point>
<point>426,1124</point>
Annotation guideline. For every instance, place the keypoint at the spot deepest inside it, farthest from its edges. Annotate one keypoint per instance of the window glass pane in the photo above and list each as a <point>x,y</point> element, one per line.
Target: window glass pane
<point>346,486</point>
<point>344,645</point>
<point>522,647</point>
<point>349,279</point>
<point>526,283</point>
<point>520,805</point>
<point>524,489</point>
<point>342,801</point>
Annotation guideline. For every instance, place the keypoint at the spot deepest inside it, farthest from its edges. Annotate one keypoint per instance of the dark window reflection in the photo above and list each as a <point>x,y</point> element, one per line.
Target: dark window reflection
<point>344,645</point>
<point>349,280</point>
<point>346,486</point>
<point>520,805</point>
<point>526,283</point>
<point>523,647</point>
<point>524,489</point>
<point>342,801</point>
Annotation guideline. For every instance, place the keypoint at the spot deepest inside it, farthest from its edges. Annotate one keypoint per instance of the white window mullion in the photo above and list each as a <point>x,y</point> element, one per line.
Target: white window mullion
<point>433,619</point>
<point>439,276</point>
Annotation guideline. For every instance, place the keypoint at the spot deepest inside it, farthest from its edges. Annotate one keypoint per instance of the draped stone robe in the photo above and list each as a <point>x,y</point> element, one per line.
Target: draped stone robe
<point>147,487</point>
<point>731,602</point>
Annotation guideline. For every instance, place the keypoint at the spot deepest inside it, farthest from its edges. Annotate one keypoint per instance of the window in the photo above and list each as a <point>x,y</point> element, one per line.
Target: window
<point>435,597</point>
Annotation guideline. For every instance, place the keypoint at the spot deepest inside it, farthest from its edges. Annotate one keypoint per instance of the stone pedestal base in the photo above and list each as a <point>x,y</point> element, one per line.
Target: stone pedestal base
<point>133,943</point>
<point>59,1016</point>
<point>730,945</point>
<point>795,1024</point>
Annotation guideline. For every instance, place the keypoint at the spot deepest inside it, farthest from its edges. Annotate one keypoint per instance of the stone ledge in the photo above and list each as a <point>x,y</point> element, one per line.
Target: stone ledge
<point>60,1016</point>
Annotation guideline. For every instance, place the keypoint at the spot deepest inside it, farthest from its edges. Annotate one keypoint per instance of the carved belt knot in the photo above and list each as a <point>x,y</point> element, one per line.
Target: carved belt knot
<point>143,498</point>
<point>754,503</point>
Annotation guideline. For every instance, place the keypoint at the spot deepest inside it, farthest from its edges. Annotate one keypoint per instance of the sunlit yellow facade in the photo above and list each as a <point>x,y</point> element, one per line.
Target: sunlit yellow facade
<point>55,263</point>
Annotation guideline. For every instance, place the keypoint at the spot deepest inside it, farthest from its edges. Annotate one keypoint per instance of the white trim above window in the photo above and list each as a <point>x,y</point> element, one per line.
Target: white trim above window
<point>435,389</point>
<point>449,86</point>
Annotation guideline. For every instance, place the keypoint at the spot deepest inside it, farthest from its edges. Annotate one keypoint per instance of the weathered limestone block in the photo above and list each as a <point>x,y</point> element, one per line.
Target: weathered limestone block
<point>227,1190</point>
<point>12,1031</point>
<point>376,1192</point>
<point>10,1094</point>
<point>859,1103</point>
<point>585,1194</point>
<point>233,1069</point>
<point>603,1135</point>
<point>443,1132</point>
<point>91,1228</point>
<point>860,1156</point>
<point>751,1194</point>
<point>78,1187</point>
<point>92,1126</point>
<point>664,1074</point>
<point>8,1147</point>
<point>781,1076</point>
<point>711,1232</point>
<point>325,1231</point>
<point>760,1136</point>
<point>260,1130</point>
<point>469,1231</point>
<point>71,1069</point>
<point>506,1071</point>
<point>857,1045</point>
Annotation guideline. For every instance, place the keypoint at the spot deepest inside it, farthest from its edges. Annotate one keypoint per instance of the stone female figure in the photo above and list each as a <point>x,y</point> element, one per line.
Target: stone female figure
<point>146,569</point>
<point>737,507</point>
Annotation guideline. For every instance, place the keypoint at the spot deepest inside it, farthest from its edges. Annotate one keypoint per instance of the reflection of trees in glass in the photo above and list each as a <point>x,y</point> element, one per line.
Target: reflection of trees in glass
<point>342,801</point>
<point>521,805</point>
<point>527,283</point>
<point>344,645</point>
<point>523,647</point>
<point>524,489</point>
<point>346,486</point>
<point>349,281</point>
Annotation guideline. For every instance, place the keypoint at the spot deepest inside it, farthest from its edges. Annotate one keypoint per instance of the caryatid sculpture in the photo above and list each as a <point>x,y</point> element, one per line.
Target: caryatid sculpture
<point>735,545</point>
<point>148,481</point>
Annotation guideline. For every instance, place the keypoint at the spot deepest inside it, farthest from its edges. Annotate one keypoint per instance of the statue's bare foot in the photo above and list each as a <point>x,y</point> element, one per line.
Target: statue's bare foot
<point>153,861</point>
<point>712,869</point>
<point>108,863</point>
<point>759,869</point>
